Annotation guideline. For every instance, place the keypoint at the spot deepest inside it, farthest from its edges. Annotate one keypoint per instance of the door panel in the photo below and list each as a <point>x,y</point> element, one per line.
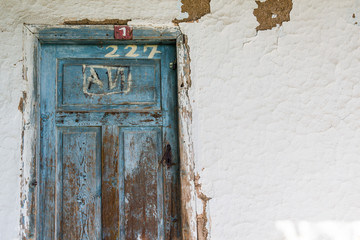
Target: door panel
<point>85,84</point>
<point>143,191</point>
<point>81,183</point>
<point>109,152</point>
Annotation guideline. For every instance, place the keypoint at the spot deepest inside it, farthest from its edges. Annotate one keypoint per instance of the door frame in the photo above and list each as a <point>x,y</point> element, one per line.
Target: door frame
<point>33,37</point>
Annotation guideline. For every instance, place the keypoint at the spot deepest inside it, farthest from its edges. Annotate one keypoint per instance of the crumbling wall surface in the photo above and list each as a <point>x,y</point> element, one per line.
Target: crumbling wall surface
<point>275,121</point>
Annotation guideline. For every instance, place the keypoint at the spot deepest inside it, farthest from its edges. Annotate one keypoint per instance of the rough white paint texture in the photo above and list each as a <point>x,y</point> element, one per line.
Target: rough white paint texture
<point>276,113</point>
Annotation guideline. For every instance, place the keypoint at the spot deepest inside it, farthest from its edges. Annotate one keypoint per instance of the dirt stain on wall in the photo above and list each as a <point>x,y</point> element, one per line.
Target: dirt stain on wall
<point>22,102</point>
<point>272,12</point>
<point>195,9</point>
<point>102,22</point>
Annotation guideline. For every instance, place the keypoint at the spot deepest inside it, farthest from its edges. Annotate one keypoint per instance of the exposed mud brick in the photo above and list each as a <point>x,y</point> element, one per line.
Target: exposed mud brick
<point>195,9</point>
<point>272,12</point>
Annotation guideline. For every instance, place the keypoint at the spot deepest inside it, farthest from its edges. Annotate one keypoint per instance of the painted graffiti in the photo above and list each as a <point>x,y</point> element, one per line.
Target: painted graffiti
<point>106,80</point>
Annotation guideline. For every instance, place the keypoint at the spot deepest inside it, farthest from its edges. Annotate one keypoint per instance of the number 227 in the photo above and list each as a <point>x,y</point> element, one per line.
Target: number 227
<point>132,51</point>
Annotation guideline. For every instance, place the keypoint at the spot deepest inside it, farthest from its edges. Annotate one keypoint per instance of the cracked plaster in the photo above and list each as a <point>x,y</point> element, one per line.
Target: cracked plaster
<point>275,113</point>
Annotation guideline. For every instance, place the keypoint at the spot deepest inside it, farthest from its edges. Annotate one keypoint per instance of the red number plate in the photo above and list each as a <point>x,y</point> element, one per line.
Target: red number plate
<point>123,32</point>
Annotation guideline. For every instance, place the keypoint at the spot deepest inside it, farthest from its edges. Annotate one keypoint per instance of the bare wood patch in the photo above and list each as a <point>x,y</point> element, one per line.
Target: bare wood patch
<point>272,12</point>
<point>201,218</point>
<point>110,180</point>
<point>141,186</point>
<point>188,215</point>
<point>28,181</point>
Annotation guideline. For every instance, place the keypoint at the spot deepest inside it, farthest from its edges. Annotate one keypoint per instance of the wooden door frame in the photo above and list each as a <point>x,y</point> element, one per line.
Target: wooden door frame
<point>33,37</point>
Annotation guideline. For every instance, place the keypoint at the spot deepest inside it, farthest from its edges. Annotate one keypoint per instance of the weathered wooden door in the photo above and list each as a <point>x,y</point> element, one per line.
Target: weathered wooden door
<point>108,147</point>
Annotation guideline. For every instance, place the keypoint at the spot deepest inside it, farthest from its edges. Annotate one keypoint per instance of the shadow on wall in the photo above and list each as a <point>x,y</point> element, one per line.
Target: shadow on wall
<point>326,230</point>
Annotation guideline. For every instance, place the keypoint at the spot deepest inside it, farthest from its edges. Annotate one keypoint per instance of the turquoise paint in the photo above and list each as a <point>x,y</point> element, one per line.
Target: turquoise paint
<point>75,114</point>
<point>91,33</point>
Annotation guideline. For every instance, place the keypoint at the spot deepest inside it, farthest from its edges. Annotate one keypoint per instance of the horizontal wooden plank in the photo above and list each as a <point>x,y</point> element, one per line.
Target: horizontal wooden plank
<point>108,118</point>
<point>99,32</point>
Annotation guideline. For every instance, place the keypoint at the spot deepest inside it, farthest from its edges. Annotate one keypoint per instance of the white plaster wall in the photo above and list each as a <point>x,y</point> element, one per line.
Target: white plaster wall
<point>276,117</point>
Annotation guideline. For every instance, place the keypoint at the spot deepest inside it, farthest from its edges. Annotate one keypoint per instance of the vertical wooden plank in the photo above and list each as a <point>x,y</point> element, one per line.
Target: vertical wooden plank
<point>81,180</point>
<point>141,151</point>
<point>186,151</point>
<point>47,173</point>
<point>110,183</point>
<point>170,145</point>
<point>59,185</point>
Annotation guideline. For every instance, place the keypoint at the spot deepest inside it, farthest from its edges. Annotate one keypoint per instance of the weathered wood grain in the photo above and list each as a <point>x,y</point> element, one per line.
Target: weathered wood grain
<point>110,183</point>
<point>102,175</point>
<point>81,181</point>
<point>141,149</point>
<point>46,203</point>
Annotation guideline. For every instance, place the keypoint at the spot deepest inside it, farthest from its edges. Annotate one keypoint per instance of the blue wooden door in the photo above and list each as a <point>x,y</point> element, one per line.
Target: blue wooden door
<point>109,166</point>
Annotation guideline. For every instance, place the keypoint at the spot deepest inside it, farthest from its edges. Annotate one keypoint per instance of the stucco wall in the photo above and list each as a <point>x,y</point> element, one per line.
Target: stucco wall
<point>276,113</point>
